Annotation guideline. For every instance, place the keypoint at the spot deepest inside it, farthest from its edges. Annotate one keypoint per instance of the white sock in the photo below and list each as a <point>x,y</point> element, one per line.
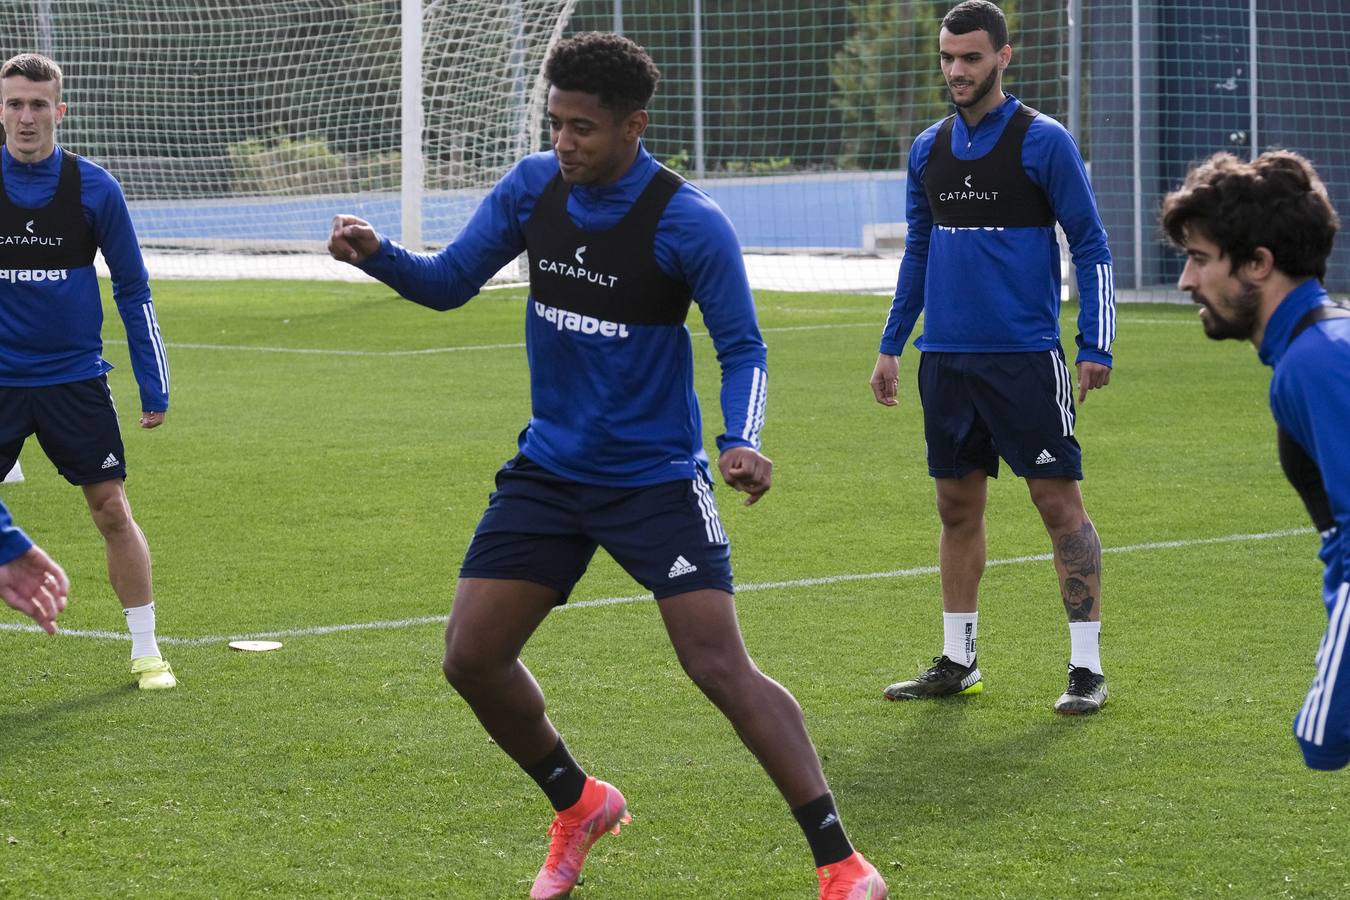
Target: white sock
<point>958,636</point>
<point>141,622</point>
<point>1085,645</point>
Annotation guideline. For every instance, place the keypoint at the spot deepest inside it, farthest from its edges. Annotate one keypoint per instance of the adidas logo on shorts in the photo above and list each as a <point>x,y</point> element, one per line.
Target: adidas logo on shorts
<point>110,462</point>
<point>1044,458</point>
<point>681,566</point>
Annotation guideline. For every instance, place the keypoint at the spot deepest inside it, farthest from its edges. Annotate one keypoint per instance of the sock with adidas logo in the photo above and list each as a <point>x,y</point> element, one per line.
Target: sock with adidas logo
<point>559,777</point>
<point>819,821</point>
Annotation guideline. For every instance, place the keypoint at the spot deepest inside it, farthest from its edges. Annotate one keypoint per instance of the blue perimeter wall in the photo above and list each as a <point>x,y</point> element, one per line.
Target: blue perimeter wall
<point>825,211</point>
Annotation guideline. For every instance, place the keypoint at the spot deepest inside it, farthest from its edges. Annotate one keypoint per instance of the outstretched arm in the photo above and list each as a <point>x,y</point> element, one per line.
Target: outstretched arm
<point>29,580</point>
<point>36,586</point>
<point>352,240</point>
<point>449,278</point>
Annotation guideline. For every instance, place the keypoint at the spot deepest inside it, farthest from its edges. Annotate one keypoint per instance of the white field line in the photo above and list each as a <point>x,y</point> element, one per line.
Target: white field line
<point>1192,323</point>
<point>638,598</point>
<point>429,351</point>
<point>313,351</point>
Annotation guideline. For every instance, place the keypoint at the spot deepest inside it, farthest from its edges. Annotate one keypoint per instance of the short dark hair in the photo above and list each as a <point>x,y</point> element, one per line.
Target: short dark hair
<point>1276,201</point>
<point>978,15</point>
<point>610,66</point>
<point>34,67</point>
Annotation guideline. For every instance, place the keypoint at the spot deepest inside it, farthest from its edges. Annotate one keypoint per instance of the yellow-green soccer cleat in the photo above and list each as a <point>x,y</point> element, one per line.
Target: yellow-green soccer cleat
<point>153,673</point>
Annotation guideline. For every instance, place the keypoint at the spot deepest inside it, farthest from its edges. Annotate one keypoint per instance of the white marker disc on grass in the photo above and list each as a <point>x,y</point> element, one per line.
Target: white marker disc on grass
<point>255,646</point>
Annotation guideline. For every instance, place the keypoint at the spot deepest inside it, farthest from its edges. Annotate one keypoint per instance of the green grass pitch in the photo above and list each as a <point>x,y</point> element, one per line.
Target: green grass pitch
<point>296,492</point>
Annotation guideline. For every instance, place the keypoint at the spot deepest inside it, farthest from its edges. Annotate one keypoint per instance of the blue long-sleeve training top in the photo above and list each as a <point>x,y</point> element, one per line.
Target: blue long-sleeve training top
<point>1310,399</point>
<point>13,542</point>
<point>51,331</point>
<point>996,290</point>
<point>631,414</point>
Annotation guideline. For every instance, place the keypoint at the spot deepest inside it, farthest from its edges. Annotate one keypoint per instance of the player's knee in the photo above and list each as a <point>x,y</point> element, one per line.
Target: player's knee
<point>716,675</point>
<point>112,515</point>
<point>458,669</point>
<point>466,668</point>
<point>958,514</point>
<point>1060,506</point>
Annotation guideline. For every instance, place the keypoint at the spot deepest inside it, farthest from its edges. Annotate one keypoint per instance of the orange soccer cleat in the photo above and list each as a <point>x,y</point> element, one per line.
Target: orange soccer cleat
<point>853,878</point>
<point>573,832</point>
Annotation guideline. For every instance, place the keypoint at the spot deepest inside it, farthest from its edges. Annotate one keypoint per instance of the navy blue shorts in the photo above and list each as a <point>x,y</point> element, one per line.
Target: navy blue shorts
<point>544,528</point>
<point>980,406</point>
<point>76,424</point>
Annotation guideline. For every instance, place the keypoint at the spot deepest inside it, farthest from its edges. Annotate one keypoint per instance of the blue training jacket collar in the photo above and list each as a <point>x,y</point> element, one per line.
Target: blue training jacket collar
<point>1280,328</point>
<point>629,185</point>
<point>995,118</point>
<point>50,165</point>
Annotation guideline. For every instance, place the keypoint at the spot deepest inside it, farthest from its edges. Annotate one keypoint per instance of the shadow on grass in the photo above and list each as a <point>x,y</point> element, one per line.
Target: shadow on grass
<point>44,719</point>
<point>963,758</point>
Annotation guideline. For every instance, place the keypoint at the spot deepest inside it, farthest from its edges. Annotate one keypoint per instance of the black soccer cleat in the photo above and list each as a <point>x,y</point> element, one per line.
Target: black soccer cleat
<point>944,679</point>
<point>1086,693</point>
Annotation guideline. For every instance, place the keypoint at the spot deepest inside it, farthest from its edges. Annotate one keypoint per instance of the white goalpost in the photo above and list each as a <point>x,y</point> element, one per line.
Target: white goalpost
<point>238,129</point>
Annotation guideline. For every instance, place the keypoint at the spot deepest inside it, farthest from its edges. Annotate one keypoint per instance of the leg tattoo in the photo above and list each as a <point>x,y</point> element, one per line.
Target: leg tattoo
<point>1079,560</point>
<point>1080,551</point>
<point>1078,600</point>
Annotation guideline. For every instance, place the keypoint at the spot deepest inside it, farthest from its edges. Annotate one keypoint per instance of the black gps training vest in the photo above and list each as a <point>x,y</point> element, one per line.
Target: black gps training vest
<point>1299,467</point>
<point>993,191</point>
<point>55,236</point>
<point>612,274</point>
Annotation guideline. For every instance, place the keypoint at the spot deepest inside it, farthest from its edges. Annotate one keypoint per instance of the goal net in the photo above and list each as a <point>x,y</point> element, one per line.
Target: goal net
<point>238,129</point>
<point>798,116</point>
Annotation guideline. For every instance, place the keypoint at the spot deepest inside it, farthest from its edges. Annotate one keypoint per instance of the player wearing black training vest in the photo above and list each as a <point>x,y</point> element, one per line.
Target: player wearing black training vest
<point>985,189</point>
<point>612,455</point>
<point>618,258</point>
<point>992,191</point>
<point>56,209</point>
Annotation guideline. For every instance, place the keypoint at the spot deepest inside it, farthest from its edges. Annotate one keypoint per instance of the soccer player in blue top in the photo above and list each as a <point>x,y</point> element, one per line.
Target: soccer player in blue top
<point>1257,236</point>
<point>985,189</point>
<point>56,210</point>
<point>30,580</point>
<point>613,455</point>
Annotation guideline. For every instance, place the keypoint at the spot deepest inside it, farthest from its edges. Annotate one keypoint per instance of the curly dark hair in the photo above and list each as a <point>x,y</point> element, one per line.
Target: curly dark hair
<point>1276,201</point>
<point>978,15</point>
<point>609,66</point>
